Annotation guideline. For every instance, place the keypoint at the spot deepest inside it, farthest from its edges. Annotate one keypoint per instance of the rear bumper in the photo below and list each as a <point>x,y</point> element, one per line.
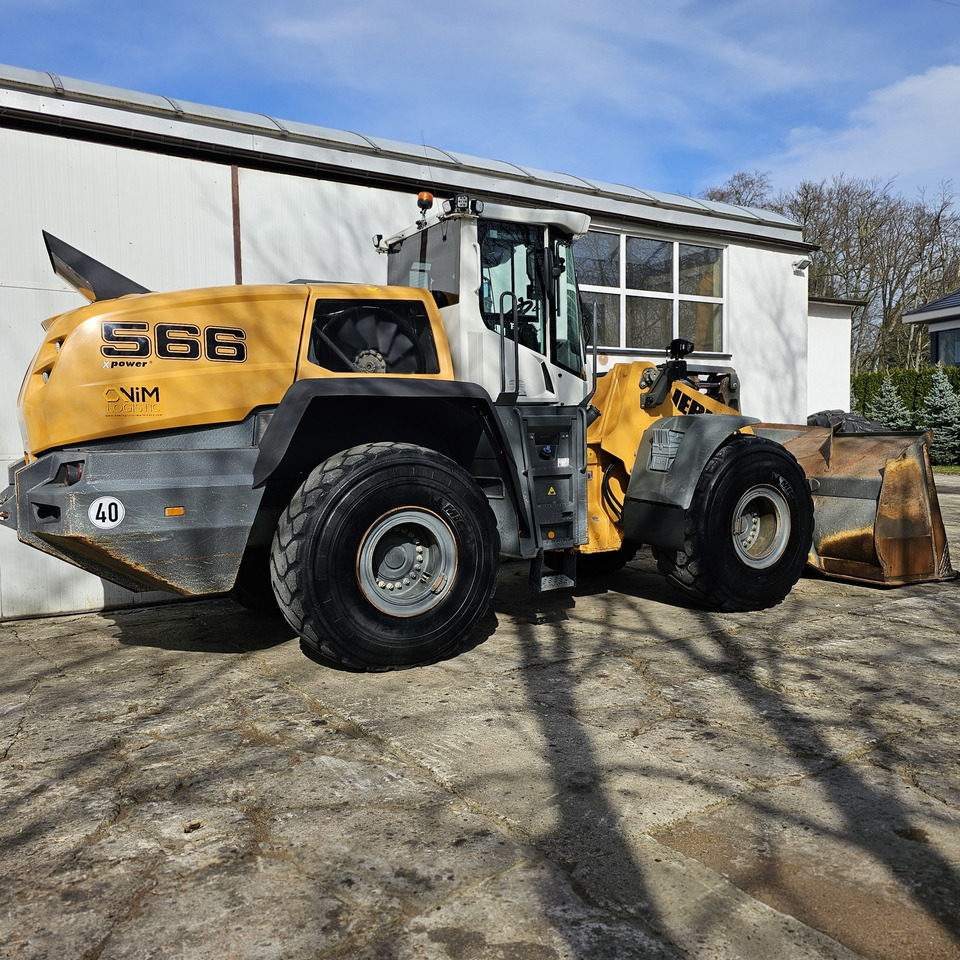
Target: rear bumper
<point>146,520</point>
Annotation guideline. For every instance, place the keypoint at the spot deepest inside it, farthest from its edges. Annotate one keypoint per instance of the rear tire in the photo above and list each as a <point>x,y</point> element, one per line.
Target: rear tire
<point>386,557</point>
<point>748,530</point>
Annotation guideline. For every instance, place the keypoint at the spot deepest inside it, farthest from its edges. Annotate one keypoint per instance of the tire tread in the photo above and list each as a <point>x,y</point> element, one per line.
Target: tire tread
<point>289,549</point>
<point>689,569</point>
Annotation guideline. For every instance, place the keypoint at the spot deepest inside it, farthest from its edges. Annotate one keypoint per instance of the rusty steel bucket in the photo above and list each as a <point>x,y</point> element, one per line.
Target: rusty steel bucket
<point>876,514</point>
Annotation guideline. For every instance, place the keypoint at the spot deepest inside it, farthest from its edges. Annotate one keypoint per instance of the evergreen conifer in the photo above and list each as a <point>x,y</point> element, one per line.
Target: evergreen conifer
<point>941,413</point>
<point>887,408</point>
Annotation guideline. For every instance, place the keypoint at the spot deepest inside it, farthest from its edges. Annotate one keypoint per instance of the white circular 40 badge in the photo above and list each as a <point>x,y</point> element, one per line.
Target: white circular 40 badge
<point>106,512</point>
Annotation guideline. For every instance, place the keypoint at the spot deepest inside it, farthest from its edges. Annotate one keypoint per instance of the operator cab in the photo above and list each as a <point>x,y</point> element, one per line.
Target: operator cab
<point>504,280</point>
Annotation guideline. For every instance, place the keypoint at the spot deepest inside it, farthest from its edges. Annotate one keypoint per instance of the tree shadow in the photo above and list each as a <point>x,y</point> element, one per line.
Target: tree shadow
<point>870,816</point>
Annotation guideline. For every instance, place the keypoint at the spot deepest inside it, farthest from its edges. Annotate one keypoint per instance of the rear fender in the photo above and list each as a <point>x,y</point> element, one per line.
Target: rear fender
<point>318,418</point>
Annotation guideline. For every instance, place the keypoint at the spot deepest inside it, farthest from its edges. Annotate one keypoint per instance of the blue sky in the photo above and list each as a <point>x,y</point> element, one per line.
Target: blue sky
<point>670,95</point>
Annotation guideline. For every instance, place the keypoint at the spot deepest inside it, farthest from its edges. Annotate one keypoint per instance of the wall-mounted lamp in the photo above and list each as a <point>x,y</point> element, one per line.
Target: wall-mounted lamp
<point>802,263</point>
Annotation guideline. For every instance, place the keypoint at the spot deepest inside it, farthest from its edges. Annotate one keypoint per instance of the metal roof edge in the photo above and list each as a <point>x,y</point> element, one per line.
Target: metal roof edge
<point>567,189</point>
<point>838,301</point>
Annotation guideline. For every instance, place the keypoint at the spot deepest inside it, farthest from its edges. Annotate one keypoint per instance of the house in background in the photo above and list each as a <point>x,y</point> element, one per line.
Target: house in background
<point>943,318</point>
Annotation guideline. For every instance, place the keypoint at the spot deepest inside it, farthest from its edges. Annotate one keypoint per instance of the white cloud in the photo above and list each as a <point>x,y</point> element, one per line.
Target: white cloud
<point>907,130</point>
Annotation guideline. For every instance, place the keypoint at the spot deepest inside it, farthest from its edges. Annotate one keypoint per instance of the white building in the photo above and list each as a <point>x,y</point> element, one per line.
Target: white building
<point>178,195</point>
<point>829,341</point>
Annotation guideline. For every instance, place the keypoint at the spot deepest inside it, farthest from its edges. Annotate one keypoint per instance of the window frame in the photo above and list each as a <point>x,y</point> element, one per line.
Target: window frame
<point>623,292</point>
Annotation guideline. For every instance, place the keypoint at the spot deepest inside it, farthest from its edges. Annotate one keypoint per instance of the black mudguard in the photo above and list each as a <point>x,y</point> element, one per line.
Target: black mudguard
<point>670,458</point>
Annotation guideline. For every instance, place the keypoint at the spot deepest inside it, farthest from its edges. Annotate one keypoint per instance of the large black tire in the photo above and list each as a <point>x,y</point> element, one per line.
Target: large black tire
<point>386,557</point>
<point>748,530</point>
<point>844,422</point>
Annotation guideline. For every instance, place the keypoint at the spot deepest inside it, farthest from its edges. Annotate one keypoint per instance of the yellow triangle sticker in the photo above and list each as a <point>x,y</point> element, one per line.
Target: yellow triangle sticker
<point>551,492</point>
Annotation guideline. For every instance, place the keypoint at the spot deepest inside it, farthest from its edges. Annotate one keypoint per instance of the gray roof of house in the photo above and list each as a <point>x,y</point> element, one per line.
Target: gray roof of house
<point>942,308</point>
<point>49,102</point>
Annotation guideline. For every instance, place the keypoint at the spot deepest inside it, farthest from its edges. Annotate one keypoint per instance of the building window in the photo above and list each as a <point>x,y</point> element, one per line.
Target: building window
<point>945,347</point>
<point>647,291</point>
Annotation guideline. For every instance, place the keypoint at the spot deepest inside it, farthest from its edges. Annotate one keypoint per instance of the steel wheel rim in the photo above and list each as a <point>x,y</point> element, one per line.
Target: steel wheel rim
<point>760,529</point>
<point>407,561</point>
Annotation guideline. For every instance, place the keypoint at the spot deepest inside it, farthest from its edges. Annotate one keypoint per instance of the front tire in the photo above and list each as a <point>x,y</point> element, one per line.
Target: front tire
<point>386,557</point>
<point>748,530</point>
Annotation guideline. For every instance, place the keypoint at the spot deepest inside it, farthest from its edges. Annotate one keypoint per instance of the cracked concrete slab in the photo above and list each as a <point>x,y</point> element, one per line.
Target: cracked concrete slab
<point>611,774</point>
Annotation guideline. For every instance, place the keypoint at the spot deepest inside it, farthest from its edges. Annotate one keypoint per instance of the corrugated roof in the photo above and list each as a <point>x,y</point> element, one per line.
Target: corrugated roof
<point>261,134</point>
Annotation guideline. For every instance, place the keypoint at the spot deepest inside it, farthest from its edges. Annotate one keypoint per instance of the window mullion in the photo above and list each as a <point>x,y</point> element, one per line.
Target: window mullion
<point>623,290</point>
<point>676,289</point>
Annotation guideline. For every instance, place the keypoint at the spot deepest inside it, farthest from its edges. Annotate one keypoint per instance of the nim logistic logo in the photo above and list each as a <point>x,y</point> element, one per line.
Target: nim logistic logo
<point>133,401</point>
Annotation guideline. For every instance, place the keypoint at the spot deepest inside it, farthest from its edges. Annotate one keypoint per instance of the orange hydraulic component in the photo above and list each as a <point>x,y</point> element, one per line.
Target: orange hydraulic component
<point>613,438</point>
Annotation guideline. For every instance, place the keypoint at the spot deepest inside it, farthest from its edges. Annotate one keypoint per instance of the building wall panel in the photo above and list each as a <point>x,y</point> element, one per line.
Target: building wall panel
<point>300,228</point>
<point>163,221</point>
<point>828,357</point>
<point>767,333</point>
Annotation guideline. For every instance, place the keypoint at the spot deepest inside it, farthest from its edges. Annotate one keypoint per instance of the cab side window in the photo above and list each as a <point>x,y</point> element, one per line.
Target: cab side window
<point>512,264</point>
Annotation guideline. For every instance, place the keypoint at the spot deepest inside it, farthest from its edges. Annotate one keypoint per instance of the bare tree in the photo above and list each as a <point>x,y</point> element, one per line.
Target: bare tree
<point>744,189</point>
<point>877,246</point>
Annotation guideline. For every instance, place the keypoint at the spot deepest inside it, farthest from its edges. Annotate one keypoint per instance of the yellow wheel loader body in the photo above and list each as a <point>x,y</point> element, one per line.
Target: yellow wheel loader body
<point>184,359</point>
<point>876,514</point>
<point>363,455</point>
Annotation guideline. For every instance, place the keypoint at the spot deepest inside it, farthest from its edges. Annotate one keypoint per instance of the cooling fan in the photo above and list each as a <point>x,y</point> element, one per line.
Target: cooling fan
<point>369,339</point>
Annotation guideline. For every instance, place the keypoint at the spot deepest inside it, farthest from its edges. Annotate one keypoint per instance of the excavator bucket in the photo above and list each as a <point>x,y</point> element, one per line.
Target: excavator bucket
<point>877,517</point>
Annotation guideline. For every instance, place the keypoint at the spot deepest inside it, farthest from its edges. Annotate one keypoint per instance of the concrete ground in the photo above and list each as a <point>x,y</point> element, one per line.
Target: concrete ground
<point>606,775</point>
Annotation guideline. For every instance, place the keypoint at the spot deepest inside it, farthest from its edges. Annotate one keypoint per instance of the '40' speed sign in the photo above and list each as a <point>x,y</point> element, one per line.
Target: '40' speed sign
<point>106,512</point>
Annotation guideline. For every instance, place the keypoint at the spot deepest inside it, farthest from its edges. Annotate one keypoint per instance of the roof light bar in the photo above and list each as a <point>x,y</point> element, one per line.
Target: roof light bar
<point>461,204</point>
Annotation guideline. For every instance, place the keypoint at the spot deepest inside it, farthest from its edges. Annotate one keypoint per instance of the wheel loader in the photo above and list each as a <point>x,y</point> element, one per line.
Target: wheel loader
<point>364,456</point>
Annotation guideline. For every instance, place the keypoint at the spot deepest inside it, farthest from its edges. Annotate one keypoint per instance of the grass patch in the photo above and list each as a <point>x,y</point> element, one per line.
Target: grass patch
<point>953,470</point>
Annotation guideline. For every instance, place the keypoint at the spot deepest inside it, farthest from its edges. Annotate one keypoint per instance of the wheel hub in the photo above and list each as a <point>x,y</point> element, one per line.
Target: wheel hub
<point>761,526</point>
<point>407,561</point>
